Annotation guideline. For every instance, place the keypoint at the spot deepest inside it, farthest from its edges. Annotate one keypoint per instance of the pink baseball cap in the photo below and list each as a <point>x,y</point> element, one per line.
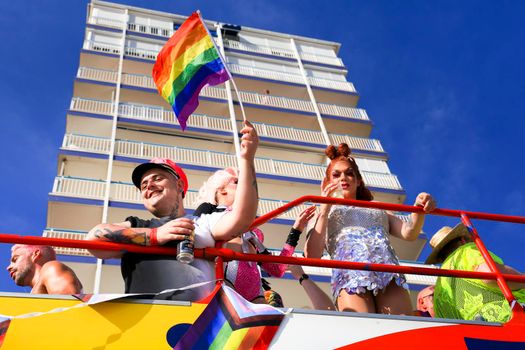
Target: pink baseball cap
<point>162,163</point>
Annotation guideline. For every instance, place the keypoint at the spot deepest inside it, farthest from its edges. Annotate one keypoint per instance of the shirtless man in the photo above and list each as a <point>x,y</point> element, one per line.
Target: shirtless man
<point>36,266</point>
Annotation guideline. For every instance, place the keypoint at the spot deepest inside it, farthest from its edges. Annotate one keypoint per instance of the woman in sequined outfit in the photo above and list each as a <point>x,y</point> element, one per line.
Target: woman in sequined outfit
<point>361,234</point>
<point>217,194</point>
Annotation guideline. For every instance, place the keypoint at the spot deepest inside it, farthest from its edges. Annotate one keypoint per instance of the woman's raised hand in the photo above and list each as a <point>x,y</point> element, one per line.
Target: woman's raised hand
<point>303,218</point>
<point>426,201</point>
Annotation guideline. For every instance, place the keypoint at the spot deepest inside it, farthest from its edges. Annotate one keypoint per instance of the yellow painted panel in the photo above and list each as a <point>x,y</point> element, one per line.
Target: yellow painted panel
<point>109,325</point>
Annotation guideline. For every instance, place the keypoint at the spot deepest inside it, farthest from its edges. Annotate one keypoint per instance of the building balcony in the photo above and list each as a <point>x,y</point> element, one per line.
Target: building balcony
<point>247,97</point>
<point>97,74</point>
<point>101,47</point>
<point>131,27</point>
<point>276,133</point>
<point>332,61</point>
<point>218,160</point>
<point>105,22</point>
<point>228,43</point>
<point>150,30</point>
<point>281,53</point>
<point>145,81</point>
<point>127,193</point>
<point>144,54</point>
<point>67,234</point>
<point>291,78</point>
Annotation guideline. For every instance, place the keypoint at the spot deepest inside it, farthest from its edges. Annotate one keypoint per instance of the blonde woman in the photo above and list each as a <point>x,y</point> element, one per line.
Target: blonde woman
<point>217,194</point>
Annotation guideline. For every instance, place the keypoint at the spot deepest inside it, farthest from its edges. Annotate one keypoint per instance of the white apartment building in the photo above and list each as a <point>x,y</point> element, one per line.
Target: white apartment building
<point>294,89</point>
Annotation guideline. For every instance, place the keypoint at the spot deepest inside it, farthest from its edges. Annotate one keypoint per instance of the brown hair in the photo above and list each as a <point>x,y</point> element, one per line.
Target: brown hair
<point>342,153</point>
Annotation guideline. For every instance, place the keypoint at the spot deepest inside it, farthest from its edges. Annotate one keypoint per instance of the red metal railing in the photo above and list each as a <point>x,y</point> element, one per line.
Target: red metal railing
<point>223,254</point>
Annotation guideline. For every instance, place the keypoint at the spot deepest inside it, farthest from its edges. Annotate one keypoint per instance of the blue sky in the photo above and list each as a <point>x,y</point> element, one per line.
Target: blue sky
<point>443,82</point>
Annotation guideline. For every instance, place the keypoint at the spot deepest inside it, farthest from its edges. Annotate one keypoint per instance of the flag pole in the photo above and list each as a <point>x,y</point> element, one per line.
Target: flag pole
<point>239,99</point>
<point>225,67</point>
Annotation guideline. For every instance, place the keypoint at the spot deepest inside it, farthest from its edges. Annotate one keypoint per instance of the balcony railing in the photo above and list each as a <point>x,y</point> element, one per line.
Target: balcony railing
<point>160,115</point>
<point>275,101</point>
<point>113,49</point>
<point>267,74</point>
<point>86,143</point>
<point>332,84</point>
<point>144,81</point>
<point>292,78</point>
<point>341,111</point>
<point>334,61</point>
<point>214,159</point>
<point>145,29</point>
<point>141,53</point>
<point>126,192</point>
<point>359,143</point>
<point>96,74</point>
<point>77,187</point>
<point>66,234</point>
<point>107,22</point>
<point>233,44</point>
<point>236,45</point>
<point>101,47</point>
<point>91,106</point>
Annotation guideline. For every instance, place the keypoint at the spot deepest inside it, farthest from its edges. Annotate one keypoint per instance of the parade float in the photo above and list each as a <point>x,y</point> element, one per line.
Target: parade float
<point>225,320</point>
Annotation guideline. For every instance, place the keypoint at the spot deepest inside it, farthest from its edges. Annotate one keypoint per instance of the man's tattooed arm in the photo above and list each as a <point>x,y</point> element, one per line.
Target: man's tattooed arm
<point>125,235</point>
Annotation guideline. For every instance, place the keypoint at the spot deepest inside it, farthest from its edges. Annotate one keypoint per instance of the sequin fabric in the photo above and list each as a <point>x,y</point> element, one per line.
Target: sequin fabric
<point>361,235</point>
<point>245,276</point>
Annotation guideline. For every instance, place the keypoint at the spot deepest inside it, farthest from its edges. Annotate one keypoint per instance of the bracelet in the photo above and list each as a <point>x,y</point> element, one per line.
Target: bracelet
<point>293,237</point>
<point>153,237</point>
<point>295,231</point>
<point>302,278</point>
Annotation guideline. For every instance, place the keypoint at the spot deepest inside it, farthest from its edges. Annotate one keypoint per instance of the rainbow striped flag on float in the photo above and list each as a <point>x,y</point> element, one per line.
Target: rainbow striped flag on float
<point>231,322</point>
<point>187,63</point>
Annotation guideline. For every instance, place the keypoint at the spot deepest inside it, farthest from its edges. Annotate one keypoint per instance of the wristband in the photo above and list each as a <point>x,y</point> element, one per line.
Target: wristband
<point>293,237</point>
<point>153,237</point>
<point>302,278</point>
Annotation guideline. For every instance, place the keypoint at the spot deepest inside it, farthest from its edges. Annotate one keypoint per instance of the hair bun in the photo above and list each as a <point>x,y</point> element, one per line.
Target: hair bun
<point>344,150</point>
<point>331,152</point>
<point>341,151</point>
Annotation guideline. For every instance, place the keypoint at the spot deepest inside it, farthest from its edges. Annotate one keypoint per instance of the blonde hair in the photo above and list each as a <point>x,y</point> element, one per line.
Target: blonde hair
<point>217,181</point>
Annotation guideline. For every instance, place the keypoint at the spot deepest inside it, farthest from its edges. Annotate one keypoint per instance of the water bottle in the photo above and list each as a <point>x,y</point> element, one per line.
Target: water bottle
<point>185,247</point>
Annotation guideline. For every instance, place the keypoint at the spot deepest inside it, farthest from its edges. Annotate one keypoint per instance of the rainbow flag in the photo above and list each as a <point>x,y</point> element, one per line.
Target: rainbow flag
<point>187,63</point>
<point>231,322</point>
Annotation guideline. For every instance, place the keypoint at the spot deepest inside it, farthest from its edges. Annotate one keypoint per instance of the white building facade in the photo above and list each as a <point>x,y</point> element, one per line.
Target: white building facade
<point>294,89</point>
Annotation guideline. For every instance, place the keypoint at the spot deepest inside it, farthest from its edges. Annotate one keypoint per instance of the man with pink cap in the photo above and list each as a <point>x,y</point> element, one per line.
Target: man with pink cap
<point>163,185</point>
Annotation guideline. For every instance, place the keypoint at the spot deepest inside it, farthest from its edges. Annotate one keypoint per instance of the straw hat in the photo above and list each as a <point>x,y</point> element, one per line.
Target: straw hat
<point>442,237</point>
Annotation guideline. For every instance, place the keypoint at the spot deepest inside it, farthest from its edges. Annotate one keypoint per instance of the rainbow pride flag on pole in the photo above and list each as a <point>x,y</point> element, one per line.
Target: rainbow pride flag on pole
<point>187,63</point>
<point>231,322</point>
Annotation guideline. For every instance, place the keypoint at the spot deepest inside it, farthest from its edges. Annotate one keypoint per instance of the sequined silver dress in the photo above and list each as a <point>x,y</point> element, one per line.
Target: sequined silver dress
<point>360,234</point>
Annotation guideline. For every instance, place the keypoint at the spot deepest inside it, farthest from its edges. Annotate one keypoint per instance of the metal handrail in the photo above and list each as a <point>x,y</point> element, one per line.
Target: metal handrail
<point>227,254</point>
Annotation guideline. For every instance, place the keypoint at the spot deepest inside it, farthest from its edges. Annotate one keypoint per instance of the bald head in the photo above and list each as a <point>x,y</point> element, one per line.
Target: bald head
<point>425,300</point>
<point>47,253</point>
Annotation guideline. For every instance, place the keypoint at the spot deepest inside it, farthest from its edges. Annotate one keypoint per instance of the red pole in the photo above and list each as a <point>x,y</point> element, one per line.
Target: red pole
<point>227,255</point>
<point>500,279</point>
<point>425,271</point>
<point>386,206</point>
